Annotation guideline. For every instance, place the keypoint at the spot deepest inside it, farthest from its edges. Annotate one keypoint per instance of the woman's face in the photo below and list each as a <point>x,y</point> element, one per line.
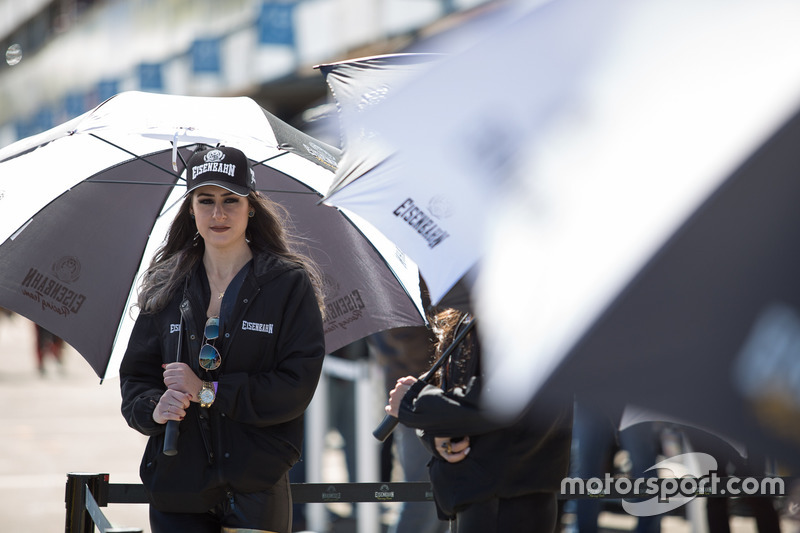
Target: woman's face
<point>220,215</point>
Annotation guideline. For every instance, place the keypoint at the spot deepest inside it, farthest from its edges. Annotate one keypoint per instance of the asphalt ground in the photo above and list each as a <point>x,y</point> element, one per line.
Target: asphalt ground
<point>60,422</point>
<point>66,421</point>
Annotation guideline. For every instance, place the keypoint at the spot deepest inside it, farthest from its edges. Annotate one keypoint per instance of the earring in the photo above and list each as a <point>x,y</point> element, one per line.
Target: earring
<point>191,215</point>
<point>252,213</point>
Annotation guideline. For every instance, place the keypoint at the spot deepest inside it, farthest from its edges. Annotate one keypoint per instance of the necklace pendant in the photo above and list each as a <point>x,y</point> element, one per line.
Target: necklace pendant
<point>221,295</point>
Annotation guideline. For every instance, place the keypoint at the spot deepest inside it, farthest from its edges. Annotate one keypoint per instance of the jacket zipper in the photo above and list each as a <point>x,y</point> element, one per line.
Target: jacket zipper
<point>231,332</point>
<point>245,305</point>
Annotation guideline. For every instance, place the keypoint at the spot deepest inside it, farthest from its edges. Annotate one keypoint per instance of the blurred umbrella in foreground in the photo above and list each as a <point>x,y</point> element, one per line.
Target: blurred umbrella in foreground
<point>651,249</point>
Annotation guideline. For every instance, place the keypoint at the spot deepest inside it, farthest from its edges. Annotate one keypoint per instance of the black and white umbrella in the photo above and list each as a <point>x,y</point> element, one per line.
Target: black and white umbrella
<point>85,205</point>
<point>360,183</point>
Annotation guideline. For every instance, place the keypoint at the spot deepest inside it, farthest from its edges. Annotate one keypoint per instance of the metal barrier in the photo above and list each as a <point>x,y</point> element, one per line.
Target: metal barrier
<point>86,493</point>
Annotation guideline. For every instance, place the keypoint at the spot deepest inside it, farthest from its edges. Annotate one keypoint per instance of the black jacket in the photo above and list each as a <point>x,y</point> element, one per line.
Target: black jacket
<point>272,351</point>
<point>507,458</point>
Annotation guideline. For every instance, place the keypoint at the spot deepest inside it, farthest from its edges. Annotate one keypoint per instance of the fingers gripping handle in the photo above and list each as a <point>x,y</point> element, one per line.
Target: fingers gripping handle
<point>171,438</point>
<point>389,422</point>
<point>171,435</point>
<point>385,428</point>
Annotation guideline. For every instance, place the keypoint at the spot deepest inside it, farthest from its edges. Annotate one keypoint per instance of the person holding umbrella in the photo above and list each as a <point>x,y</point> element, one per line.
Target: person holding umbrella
<point>489,474</point>
<point>228,345</point>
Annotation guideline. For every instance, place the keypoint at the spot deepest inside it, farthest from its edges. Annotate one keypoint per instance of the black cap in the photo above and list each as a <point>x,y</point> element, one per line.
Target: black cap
<point>224,167</point>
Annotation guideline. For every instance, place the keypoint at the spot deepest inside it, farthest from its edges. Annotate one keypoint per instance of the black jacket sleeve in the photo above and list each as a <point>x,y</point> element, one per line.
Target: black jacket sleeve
<point>141,377</point>
<point>436,413</point>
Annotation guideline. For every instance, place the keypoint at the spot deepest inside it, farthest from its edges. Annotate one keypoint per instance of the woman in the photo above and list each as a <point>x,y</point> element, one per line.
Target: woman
<point>229,342</point>
<point>489,475</point>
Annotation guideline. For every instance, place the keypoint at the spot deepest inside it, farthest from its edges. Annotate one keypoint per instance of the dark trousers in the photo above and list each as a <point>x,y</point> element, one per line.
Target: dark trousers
<point>525,514</point>
<point>269,510</point>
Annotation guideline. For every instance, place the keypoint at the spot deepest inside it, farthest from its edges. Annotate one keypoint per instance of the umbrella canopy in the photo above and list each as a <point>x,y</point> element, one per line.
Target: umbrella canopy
<point>423,216</point>
<point>86,204</point>
<point>357,85</point>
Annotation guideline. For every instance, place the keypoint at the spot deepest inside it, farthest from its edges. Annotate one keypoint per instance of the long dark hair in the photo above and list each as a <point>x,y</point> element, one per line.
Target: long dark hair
<point>267,231</point>
<point>446,324</point>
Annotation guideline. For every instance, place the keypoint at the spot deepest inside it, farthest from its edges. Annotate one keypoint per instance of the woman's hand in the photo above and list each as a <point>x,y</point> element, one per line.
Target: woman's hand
<point>396,395</point>
<point>179,377</point>
<point>452,451</point>
<point>171,406</point>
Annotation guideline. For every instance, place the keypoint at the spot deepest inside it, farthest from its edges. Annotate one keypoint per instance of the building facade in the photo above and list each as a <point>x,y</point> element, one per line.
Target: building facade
<point>64,57</point>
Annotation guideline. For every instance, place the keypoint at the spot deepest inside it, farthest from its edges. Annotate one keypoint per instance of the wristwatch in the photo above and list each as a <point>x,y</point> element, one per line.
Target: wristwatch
<point>207,395</point>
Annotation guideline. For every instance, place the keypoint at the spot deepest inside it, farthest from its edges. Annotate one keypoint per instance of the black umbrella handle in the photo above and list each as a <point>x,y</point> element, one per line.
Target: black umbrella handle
<point>390,422</point>
<point>385,428</point>
<point>173,430</point>
<point>171,438</point>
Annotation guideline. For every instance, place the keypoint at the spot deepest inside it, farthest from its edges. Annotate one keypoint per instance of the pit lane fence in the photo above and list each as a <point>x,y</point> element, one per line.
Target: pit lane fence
<point>86,493</point>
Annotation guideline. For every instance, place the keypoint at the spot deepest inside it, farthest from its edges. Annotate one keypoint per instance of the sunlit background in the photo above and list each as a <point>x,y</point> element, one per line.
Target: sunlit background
<point>64,57</point>
<point>595,131</point>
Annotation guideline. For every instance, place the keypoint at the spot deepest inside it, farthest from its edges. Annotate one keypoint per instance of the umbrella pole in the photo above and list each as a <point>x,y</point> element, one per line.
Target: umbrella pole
<point>173,429</point>
<point>390,422</point>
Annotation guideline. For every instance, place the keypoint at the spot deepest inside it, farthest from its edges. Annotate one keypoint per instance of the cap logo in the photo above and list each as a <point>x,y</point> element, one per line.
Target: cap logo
<point>213,164</point>
<point>214,156</point>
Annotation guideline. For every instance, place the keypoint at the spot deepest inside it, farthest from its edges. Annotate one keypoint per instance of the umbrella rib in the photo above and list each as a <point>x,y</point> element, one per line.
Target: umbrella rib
<point>137,156</point>
<point>277,190</point>
<point>130,182</point>
<point>273,157</point>
<point>382,257</point>
<point>375,249</point>
<point>287,192</point>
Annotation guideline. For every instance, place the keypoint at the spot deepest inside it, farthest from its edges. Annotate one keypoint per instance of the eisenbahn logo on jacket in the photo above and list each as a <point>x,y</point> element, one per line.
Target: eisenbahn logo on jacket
<point>256,326</point>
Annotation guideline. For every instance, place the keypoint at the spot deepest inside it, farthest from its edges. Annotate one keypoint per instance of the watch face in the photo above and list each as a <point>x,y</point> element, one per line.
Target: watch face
<point>206,396</point>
